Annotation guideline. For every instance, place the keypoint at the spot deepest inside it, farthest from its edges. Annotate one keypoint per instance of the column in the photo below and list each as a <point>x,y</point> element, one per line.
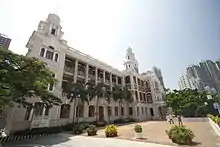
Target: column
<point>137,88</point>
<point>103,76</point>
<point>123,81</point>
<point>75,71</point>
<point>110,74</point>
<point>116,80</point>
<point>96,75</point>
<point>31,113</point>
<point>87,72</point>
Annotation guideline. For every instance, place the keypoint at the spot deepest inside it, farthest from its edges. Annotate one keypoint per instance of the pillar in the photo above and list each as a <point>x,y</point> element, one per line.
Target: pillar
<point>87,72</point>
<point>75,71</point>
<point>96,75</point>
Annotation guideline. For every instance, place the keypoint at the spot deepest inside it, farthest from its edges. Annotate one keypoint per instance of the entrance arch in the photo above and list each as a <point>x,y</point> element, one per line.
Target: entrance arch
<point>101,113</point>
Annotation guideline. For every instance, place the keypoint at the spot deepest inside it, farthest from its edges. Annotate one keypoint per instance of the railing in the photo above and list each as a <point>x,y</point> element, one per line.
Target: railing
<point>69,69</point>
<point>93,59</point>
<point>81,73</point>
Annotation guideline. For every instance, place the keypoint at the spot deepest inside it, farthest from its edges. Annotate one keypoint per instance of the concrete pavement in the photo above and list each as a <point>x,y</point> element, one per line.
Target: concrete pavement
<point>67,140</point>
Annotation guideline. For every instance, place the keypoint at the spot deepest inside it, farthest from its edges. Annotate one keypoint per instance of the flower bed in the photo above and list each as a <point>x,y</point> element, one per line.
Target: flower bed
<point>216,119</point>
<point>215,123</point>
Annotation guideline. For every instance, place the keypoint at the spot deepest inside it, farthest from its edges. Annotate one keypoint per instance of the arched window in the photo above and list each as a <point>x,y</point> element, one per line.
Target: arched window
<point>56,57</point>
<point>53,31</point>
<point>65,111</point>
<point>49,55</point>
<point>109,111</point>
<point>79,111</point>
<point>51,47</point>
<point>91,111</point>
<point>122,111</point>
<point>42,52</point>
<point>116,111</point>
<point>38,108</point>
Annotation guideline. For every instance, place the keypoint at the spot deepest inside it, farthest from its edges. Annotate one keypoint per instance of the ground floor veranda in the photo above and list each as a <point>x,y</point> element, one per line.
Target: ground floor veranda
<point>20,118</point>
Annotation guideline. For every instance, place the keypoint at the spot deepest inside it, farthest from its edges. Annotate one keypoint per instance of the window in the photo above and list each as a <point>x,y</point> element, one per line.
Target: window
<point>146,110</point>
<point>142,110</point>
<point>53,31</point>
<point>122,111</point>
<point>138,111</point>
<point>130,111</point>
<point>56,57</point>
<point>109,111</point>
<point>91,111</point>
<point>49,55</point>
<point>136,95</point>
<point>47,109</point>
<point>27,114</point>
<point>128,57</point>
<point>151,111</point>
<point>116,111</point>
<point>65,111</point>
<point>42,52</point>
<point>79,111</point>
<point>38,109</point>
<point>51,84</point>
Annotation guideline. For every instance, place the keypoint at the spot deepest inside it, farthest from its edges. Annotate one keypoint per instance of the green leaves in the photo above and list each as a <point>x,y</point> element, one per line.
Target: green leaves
<point>22,77</point>
<point>188,102</point>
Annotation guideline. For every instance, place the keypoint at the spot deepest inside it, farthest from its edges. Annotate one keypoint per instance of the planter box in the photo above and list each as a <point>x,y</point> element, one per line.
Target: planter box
<point>215,126</point>
<point>138,135</point>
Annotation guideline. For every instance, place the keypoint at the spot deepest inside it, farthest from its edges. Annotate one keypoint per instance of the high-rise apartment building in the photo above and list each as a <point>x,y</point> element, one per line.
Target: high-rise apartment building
<point>158,72</point>
<point>69,64</point>
<point>4,41</point>
<point>210,74</point>
<point>184,82</point>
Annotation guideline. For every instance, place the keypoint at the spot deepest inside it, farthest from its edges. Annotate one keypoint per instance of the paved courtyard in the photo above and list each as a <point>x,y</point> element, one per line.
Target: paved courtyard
<point>154,131</point>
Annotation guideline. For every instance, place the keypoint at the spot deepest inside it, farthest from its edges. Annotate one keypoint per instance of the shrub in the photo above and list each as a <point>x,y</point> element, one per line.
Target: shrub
<point>180,135</point>
<point>138,128</point>
<point>111,131</point>
<point>91,130</point>
<point>78,129</point>
<point>123,120</point>
<point>99,123</point>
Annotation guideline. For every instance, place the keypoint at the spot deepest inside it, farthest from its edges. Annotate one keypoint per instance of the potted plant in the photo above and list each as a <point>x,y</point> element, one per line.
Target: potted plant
<point>180,135</point>
<point>138,131</point>
<point>111,131</point>
<point>91,130</point>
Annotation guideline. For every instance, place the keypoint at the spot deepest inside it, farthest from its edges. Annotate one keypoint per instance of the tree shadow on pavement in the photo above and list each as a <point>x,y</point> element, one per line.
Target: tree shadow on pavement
<point>46,141</point>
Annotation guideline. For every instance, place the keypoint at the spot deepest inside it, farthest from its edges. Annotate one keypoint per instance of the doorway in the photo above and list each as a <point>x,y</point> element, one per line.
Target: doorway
<point>152,112</point>
<point>101,113</point>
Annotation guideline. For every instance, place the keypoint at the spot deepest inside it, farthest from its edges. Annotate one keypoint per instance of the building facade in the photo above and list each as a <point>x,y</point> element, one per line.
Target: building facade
<point>158,72</point>
<point>69,64</point>
<point>184,82</point>
<point>4,41</point>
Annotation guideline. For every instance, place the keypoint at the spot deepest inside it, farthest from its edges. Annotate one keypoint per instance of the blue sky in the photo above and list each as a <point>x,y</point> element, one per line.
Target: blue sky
<point>169,34</point>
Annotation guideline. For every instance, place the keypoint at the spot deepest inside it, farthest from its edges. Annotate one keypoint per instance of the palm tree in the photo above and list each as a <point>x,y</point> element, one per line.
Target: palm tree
<point>76,91</point>
<point>99,93</point>
<point>127,95</point>
<point>117,95</point>
<point>108,95</point>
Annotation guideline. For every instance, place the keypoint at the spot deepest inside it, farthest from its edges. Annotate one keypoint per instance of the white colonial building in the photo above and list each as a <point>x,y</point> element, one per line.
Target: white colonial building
<point>69,64</point>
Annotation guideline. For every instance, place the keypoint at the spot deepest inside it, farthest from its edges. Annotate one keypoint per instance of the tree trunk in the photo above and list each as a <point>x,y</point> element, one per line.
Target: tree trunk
<point>97,107</point>
<point>120,115</point>
<point>74,110</point>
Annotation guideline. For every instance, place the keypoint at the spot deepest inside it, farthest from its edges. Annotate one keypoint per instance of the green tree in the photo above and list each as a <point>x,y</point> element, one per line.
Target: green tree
<point>100,92</point>
<point>190,102</point>
<point>22,77</point>
<point>76,91</point>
